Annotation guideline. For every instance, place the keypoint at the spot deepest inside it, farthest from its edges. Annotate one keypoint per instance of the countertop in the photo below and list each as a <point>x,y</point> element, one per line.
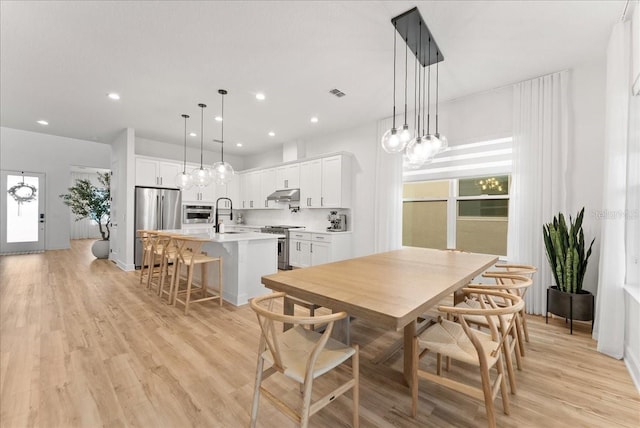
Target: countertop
<point>209,233</point>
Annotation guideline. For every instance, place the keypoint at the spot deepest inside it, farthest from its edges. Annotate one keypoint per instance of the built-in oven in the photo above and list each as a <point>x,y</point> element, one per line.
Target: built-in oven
<point>193,214</point>
<point>283,243</point>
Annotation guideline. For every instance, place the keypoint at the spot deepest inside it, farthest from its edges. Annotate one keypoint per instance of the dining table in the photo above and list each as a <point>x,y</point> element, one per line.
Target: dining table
<point>390,290</point>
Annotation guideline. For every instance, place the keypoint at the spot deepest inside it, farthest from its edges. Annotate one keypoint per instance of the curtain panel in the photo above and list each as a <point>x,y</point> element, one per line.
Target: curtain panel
<point>539,174</point>
<point>609,327</point>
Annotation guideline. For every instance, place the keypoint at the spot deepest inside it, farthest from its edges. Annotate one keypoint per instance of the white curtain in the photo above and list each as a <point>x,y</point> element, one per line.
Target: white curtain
<point>539,174</point>
<point>388,195</point>
<point>85,228</point>
<point>609,324</point>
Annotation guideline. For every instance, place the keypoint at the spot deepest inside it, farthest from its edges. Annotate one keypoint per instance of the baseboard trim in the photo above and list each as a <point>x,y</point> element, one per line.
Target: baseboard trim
<point>125,267</point>
<point>633,365</point>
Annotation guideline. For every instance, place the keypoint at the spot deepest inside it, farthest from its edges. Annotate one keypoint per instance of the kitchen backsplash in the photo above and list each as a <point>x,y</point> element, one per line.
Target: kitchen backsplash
<point>315,219</point>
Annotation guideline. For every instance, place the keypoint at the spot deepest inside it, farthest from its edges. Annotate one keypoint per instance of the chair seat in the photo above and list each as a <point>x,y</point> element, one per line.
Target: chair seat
<point>479,319</point>
<point>296,346</point>
<point>449,339</point>
<point>199,259</point>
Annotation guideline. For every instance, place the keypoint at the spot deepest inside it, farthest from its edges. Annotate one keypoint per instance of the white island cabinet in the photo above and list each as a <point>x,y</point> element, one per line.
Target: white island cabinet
<point>246,257</point>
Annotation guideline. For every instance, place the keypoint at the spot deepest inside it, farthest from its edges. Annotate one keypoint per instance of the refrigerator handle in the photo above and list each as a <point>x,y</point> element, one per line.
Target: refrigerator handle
<point>158,211</point>
<point>162,213</point>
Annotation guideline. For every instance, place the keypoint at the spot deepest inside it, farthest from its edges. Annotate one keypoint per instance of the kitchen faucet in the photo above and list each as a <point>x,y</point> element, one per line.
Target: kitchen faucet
<point>217,225</point>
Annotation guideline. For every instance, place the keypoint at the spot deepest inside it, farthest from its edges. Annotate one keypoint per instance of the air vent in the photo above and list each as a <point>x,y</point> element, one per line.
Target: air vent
<point>337,92</point>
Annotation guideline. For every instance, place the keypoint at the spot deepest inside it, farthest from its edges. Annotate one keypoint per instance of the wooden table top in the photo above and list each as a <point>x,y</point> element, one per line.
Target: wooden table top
<point>389,289</point>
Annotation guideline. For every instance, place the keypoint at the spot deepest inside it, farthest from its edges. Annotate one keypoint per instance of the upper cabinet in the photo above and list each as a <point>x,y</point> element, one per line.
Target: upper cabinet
<point>311,184</point>
<point>268,183</point>
<point>156,173</point>
<point>198,194</point>
<point>336,182</point>
<point>287,177</point>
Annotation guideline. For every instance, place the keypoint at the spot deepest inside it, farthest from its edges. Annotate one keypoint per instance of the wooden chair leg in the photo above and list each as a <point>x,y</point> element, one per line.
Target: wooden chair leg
<point>189,283</point>
<point>488,396</point>
<point>503,386</point>
<point>220,279</point>
<point>519,333</point>
<point>439,364</point>
<point>524,326</point>
<point>306,403</point>
<point>173,293</point>
<point>515,345</point>
<point>204,273</point>
<point>506,349</point>
<point>256,392</point>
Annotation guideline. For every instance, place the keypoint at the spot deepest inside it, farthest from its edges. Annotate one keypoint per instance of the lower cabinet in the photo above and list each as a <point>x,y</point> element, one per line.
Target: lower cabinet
<point>313,248</point>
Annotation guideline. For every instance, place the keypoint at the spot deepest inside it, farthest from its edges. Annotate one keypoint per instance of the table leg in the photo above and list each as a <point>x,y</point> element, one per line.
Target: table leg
<point>288,310</point>
<point>342,330</point>
<point>409,350</point>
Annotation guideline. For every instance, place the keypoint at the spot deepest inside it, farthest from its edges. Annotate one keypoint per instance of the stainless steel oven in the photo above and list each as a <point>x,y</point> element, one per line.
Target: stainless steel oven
<point>283,243</point>
<point>193,214</point>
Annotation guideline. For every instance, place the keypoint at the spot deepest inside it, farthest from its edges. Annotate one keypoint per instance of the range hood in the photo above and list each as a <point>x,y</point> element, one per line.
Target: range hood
<point>285,195</point>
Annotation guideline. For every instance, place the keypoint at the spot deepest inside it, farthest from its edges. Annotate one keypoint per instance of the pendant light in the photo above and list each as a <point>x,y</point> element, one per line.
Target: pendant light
<point>433,144</point>
<point>201,176</point>
<point>184,180</point>
<point>391,138</point>
<point>222,172</point>
<point>444,143</point>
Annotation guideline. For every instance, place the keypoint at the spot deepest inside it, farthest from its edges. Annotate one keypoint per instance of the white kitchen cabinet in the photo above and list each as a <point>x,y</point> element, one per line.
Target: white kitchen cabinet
<point>336,182</point>
<point>250,190</point>
<point>311,183</point>
<point>288,177</point>
<point>268,185</point>
<point>229,190</point>
<point>156,173</point>
<point>199,194</point>
<point>300,249</point>
<point>316,248</point>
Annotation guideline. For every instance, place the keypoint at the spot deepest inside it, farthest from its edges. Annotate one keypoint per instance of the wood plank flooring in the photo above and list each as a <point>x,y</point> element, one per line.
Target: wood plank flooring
<point>82,344</point>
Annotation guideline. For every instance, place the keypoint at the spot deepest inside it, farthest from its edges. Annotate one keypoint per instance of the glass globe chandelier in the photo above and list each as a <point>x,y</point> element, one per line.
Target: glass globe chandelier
<point>201,176</point>
<point>222,172</point>
<point>391,139</point>
<point>184,180</point>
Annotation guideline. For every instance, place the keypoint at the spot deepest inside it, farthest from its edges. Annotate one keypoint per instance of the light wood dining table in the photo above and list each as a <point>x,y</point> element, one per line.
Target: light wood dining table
<point>389,290</point>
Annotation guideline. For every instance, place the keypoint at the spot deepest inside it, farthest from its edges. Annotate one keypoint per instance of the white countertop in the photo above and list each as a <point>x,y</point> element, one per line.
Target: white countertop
<point>209,233</point>
<point>326,231</point>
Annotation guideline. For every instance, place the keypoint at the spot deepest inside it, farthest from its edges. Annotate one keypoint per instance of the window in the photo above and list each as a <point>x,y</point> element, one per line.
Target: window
<point>469,214</point>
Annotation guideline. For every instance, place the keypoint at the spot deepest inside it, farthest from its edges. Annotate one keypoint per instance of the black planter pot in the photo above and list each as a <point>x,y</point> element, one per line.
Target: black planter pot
<point>578,306</point>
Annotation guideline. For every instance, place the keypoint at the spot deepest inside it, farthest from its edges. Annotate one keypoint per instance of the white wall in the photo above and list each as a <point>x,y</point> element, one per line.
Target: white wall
<point>160,149</point>
<point>261,160</point>
<point>54,156</point>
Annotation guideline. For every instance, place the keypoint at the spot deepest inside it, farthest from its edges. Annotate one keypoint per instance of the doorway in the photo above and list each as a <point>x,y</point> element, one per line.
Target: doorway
<point>22,209</point>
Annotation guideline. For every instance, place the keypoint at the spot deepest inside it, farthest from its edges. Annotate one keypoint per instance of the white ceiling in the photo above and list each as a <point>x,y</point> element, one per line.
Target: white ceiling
<point>58,60</point>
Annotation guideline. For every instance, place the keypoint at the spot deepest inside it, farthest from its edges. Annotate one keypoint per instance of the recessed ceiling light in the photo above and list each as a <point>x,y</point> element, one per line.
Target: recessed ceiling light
<point>260,96</point>
<point>238,144</point>
<point>314,120</point>
<point>272,134</point>
<point>193,134</point>
<point>218,119</point>
<point>43,122</point>
<point>113,96</point>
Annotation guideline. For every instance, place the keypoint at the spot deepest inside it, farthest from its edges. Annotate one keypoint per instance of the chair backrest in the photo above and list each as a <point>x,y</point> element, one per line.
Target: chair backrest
<point>514,269</point>
<point>512,283</point>
<point>187,247</point>
<point>269,320</point>
<point>489,308</point>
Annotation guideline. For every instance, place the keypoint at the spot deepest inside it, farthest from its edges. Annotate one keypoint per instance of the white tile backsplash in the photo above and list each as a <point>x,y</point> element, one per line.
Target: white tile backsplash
<point>315,218</point>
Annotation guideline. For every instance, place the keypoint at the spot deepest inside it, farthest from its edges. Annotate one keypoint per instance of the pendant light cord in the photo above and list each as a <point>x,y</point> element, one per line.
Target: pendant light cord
<point>415,87</point>
<point>406,48</point>
<point>202,106</point>
<point>222,137</point>
<point>429,91</point>
<point>184,157</point>
<point>395,32</point>
<point>437,86</point>
<point>419,70</point>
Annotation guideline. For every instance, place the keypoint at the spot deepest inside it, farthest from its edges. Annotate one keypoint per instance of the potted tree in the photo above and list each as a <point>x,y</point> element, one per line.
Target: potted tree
<point>89,201</point>
<point>565,247</point>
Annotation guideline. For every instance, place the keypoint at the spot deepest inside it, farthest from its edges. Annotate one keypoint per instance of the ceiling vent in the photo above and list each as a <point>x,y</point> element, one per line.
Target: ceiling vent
<point>337,92</point>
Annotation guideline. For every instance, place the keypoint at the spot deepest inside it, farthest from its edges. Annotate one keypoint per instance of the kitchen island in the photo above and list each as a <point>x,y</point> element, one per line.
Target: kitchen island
<point>246,256</point>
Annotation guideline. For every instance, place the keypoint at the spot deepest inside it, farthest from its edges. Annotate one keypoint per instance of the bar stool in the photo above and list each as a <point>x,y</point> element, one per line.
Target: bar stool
<point>145,239</point>
<point>166,247</point>
<point>188,255</point>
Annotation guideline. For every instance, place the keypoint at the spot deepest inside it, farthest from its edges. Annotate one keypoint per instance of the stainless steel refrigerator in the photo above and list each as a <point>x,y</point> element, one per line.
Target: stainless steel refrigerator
<point>156,209</point>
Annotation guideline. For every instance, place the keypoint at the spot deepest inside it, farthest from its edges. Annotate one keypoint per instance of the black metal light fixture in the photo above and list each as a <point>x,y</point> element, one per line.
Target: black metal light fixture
<point>222,172</point>
<point>418,38</point>
<point>201,176</point>
<point>444,143</point>
<point>184,180</point>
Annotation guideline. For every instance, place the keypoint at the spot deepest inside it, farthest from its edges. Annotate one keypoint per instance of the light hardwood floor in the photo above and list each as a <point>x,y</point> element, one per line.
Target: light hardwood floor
<point>83,344</point>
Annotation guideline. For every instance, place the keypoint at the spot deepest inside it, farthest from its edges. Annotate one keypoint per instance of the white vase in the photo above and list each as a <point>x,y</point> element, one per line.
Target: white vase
<point>100,249</point>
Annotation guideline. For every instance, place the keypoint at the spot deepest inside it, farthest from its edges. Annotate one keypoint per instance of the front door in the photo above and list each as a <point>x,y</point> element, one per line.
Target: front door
<point>22,210</point>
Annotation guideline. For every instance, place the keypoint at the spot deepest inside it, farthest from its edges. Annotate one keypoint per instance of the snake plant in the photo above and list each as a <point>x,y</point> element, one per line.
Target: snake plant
<point>565,251</point>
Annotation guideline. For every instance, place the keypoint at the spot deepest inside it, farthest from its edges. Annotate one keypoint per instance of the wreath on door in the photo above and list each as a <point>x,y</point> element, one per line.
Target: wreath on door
<point>23,192</point>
